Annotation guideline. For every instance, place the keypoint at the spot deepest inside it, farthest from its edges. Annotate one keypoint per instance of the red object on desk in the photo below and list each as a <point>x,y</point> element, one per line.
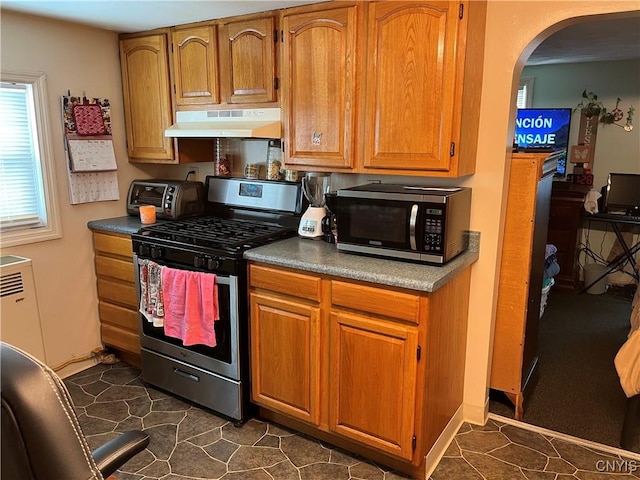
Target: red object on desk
<point>580,178</point>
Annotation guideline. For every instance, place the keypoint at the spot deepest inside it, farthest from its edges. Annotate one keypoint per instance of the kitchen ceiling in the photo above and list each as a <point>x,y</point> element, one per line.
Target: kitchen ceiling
<point>593,41</point>
<point>600,39</point>
<point>124,16</point>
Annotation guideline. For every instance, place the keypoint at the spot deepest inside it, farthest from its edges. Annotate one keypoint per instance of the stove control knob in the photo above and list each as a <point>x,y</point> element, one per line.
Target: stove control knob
<point>198,262</point>
<point>214,263</point>
<point>143,250</point>
<point>156,252</point>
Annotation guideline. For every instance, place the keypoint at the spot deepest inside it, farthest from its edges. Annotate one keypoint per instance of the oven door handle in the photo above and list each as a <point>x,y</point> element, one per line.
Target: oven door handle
<point>412,226</point>
<point>184,374</point>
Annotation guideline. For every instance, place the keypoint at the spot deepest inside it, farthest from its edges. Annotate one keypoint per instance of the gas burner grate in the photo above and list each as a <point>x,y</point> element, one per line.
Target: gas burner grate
<point>215,232</point>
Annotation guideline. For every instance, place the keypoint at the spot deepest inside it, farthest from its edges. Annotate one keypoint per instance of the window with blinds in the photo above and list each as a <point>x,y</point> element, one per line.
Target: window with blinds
<point>21,188</point>
<point>525,93</point>
<point>28,211</point>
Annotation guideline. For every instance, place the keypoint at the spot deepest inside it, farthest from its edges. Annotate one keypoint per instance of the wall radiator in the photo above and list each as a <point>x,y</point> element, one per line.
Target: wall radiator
<point>19,316</point>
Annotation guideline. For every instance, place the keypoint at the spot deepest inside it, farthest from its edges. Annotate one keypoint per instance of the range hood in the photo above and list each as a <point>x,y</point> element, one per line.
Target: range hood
<point>245,123</point>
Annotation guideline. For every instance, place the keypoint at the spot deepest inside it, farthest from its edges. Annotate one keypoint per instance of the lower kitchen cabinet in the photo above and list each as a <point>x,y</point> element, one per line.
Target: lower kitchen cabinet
<point>286,379</point>
<point>117,298</point>
<point>376,370</point>
<point>373,381</point>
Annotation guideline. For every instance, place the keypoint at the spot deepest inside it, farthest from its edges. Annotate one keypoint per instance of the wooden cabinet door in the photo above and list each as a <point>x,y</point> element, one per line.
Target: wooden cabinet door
<point>319,78</point>
<point>285,356</point>
<point>373,382</point>
<point>247,59</point>
<point>195,63</point>
<point>147,97</point>
<point>410,86</point>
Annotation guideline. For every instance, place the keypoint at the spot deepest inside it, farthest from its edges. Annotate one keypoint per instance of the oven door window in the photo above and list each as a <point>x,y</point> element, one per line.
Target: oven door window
<point>377,223</point>
<point>222,327</point>
<point>148,195</point>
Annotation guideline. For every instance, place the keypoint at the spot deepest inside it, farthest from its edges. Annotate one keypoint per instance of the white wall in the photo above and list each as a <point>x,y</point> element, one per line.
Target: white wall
<point>80,59</point>
<point>616,149</point>
<point>514,30</point>
<point>562,86</point>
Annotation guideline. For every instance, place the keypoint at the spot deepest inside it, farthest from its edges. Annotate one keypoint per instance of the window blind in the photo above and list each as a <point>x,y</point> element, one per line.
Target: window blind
<point>521,102</point>
<point>21,188</point>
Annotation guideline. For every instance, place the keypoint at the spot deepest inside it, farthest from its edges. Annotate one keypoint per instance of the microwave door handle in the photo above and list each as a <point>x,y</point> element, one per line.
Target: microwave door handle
<point>412,226</point>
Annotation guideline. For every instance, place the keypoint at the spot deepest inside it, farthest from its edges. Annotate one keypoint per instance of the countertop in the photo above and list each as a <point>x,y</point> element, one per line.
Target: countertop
<point>321,257</point>
<point>126,225</point>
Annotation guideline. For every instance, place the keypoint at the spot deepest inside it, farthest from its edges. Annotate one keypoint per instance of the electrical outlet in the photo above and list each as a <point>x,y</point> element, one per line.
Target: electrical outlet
<point>195,176</point>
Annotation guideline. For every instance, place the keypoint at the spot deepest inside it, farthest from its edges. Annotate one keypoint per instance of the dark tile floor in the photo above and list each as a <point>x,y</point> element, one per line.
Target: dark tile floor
<point>501,450</point>
<point>189,443</point>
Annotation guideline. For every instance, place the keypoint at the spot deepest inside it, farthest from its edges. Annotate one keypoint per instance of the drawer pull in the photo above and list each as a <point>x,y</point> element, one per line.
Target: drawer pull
<point>184,374</point>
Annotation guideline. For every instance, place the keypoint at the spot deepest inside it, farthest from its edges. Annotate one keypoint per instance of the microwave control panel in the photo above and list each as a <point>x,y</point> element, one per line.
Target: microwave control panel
<point>433,229</point>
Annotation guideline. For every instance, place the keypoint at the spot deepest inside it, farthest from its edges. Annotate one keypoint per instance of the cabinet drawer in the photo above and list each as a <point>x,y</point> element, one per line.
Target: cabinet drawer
<point>289,283</point>
<point>376,300</point>
<point>120,338</point>
<point>113,244</point>
<point>119,316</point>
<point>120,293</point>
<point>112,267</point>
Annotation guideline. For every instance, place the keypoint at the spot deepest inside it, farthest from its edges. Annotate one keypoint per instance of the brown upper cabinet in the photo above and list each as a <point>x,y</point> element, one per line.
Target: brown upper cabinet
<point>410,86</point>
<point>367,87</point>
<point>417,114</point>
<point>195,65</point>
<point>248,60</point>
<point>147,97</point>
<point>319,84</point>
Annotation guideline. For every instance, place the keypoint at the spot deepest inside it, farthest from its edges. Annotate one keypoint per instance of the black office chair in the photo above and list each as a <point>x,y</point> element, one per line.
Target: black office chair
<point>41,437</point>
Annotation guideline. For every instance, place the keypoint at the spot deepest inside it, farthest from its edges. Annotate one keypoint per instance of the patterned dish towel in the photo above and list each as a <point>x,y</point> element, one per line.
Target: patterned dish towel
<point>151,299</point>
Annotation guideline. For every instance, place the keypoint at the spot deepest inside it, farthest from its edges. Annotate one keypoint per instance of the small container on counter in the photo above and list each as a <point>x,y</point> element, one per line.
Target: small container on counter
<point>222,166</point>
<point>251,170</point>
<point>291,175</point>
<point>274,160</point>
<point>147,214</point>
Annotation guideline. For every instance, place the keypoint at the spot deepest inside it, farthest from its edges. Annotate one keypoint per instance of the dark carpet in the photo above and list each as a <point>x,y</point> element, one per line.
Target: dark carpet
<point>578,391</point>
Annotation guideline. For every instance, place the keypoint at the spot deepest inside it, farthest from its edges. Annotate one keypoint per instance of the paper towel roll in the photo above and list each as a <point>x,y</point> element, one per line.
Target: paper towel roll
<point>591,201</point>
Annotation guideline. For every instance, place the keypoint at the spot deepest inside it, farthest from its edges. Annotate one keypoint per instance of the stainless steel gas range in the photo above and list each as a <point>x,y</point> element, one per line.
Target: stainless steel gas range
<point>242,214</point>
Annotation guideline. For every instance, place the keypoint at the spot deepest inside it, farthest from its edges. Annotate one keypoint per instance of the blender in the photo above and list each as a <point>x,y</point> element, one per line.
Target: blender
<point>314,186</point>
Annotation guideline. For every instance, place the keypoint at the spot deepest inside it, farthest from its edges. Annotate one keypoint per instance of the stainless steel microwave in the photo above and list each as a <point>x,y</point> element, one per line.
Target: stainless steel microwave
<point>405,222</point>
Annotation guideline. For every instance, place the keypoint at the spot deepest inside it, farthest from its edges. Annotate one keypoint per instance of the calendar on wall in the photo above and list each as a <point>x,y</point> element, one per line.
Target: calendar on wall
<point>91,161</point>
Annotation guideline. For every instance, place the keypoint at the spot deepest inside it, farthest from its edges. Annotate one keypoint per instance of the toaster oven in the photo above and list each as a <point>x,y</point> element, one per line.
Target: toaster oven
<point>173,199</point>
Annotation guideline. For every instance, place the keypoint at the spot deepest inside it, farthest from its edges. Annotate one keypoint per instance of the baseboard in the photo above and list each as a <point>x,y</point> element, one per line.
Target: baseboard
<point>76,367</point>
<point>569,438</point>
<point>476,414</point>
<point>440,446</point>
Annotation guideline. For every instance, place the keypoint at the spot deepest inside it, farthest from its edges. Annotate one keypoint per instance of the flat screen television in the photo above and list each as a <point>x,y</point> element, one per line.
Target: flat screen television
<point>623,193</point>
<point>544,129</point>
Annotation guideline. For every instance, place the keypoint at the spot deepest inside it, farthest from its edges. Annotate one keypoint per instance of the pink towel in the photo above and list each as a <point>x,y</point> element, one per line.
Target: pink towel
<point>190,306</point>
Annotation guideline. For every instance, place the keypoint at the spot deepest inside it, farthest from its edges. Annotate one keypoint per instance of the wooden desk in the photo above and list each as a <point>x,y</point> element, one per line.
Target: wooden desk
<point>628,251</point>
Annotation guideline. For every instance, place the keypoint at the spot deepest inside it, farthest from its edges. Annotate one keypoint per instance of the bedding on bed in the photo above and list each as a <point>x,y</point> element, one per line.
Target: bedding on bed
<point>627,360</point>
